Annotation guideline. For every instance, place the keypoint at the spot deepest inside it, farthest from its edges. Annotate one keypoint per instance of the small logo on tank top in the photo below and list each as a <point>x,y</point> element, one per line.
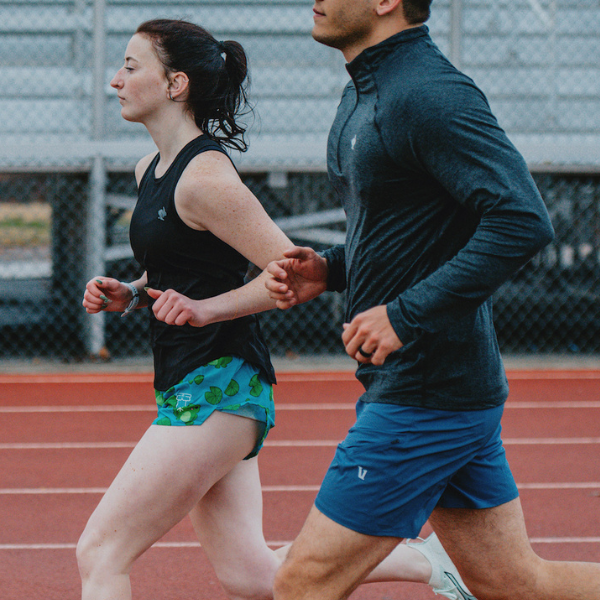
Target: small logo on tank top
<point>162,213</point>
<point>353,142</point>
<point>362,473</point>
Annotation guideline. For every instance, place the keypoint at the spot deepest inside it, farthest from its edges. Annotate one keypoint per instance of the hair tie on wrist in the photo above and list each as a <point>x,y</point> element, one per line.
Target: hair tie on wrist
<point>135,298</point>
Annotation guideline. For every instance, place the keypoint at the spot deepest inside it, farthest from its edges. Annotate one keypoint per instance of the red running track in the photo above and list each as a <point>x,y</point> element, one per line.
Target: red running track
<point>64,437</point>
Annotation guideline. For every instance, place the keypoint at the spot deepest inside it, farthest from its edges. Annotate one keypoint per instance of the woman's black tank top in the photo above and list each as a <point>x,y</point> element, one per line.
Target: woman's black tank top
<point>194,263</point>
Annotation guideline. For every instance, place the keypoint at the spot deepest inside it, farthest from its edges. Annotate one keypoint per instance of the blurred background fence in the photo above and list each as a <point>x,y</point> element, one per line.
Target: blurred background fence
<point>67,158</point>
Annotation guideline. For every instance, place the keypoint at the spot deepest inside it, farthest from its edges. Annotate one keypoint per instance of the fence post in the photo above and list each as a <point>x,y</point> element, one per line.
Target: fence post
<point>456,32</point>
<point>96,212</point>
<point>95,247</point>
<point>98,93</point>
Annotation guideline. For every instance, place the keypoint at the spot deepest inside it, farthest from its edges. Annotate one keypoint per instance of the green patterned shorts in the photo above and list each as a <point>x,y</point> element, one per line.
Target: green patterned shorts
<point>228,384</point>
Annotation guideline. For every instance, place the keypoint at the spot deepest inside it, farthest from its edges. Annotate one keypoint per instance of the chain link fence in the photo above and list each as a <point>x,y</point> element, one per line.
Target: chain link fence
<point>66,160</point>
<point>550,306</point>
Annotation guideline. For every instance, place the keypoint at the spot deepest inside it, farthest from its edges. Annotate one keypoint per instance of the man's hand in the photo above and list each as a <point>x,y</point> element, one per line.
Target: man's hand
<point>299,277</point>
<point>370,337</point>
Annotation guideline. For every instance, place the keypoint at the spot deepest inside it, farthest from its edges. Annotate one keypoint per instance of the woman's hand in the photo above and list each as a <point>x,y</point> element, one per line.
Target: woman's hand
<point>106,294</point>
<point>174,308</point>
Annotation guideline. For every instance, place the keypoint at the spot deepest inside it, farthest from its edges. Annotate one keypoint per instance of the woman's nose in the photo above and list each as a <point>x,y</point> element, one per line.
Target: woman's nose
<point>116,80</point>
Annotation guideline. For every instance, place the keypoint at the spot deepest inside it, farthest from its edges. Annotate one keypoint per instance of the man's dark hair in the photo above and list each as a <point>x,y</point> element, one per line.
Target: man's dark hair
<point>416,11</point>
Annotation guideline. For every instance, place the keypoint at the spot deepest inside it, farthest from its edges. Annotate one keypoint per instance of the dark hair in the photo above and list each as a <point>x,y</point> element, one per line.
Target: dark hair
<point>416,11</point>
<point>217,72</point>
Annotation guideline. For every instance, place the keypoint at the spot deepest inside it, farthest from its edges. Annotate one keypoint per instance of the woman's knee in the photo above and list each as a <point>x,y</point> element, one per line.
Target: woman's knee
<point>251,590</point>
<point>250,579</point>
<point>95,555</point>
<point>86,550</point>
<point>251,586</point>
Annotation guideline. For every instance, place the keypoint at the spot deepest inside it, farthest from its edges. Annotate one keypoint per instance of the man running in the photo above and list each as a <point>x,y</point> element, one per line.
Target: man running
<point>441,210</point>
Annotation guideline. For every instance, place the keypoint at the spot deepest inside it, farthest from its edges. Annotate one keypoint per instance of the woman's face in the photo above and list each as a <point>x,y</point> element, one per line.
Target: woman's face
<point>141,83</point>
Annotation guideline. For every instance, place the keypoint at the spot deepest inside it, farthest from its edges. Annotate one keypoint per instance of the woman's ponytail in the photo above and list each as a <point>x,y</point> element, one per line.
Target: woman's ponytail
<point>234,91</point>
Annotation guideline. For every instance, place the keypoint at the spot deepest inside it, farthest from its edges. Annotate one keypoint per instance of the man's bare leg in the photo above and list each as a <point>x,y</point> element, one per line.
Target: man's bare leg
<point>491,550</point>
<point>328,561</point>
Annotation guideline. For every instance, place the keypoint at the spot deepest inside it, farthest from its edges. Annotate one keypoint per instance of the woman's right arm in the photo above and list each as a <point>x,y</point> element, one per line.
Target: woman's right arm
<point>106,294</point>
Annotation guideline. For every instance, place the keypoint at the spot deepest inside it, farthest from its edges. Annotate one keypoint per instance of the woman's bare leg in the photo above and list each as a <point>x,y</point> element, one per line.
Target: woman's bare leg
<point>166,475</point>
<point>228,522</point>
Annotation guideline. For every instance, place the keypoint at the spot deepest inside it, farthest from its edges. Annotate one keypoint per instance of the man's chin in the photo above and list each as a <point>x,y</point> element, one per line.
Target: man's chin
<point>324,39</point>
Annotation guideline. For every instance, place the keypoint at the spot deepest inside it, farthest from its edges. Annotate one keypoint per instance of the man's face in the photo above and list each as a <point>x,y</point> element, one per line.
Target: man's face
<point>343,24</point>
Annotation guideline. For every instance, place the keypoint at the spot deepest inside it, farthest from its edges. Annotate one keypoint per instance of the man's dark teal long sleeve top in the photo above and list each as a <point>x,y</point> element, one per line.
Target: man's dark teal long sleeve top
<point>441,210</point>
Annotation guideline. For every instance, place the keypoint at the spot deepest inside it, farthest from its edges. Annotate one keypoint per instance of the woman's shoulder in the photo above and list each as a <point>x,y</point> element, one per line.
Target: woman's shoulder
<point>211,168</point>
<point>142,166</point>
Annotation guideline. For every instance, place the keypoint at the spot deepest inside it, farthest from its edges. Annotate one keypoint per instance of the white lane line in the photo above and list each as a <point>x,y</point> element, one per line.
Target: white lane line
<point>78,409</point>
<point>276,444</point>
<point>109,378</point>
<point>71,546</point>
<point>280,407</point>
<point>65,445</point>
<point>283,376</point>
<point>277,543</point>
<point>587,485</point>
<point>549,441</point>
<point>549,404</point>
<point>552,374</point>
<point>98,490</point>
<point>152,408</point>
<point>43,491</point>
<point>565,540</point>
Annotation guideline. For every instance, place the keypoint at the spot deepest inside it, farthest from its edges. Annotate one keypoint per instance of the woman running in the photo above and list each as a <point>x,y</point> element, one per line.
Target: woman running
<point>193,231</point>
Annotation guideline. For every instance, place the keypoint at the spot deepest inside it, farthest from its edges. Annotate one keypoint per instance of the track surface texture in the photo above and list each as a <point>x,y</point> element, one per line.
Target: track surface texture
<point>63,437</point>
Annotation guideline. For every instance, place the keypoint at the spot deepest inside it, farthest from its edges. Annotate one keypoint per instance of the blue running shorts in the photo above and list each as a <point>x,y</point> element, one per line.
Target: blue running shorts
<point>228,384</point>
<point>398,463</point>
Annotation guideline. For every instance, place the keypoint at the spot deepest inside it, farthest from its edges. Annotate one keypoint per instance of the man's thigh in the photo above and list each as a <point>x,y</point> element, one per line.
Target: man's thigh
<point>328,560</point>
<point>490,546</point>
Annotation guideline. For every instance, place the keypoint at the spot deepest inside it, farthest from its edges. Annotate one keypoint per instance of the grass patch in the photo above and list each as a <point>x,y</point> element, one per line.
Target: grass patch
<point>25,225</point>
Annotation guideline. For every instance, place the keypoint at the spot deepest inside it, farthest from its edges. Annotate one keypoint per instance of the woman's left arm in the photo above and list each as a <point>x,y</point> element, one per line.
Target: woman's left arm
<point>211,196</point>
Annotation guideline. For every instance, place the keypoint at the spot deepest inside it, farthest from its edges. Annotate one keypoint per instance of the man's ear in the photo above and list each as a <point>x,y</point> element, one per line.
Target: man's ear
<point>179,84</point>
<point>385,7</point>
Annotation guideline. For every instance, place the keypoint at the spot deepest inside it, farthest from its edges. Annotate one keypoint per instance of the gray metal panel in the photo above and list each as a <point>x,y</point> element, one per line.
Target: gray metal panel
<point>218,18</point>
<point>536,60</point>
<point>44,116</point>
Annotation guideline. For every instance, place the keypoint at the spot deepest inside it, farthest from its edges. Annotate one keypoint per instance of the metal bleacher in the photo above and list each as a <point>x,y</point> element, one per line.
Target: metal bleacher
<point>57,58</point>
<point>538,61</point>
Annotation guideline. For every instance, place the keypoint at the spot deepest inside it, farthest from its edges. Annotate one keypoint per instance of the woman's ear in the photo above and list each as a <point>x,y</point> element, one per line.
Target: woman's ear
<point>179,84</point>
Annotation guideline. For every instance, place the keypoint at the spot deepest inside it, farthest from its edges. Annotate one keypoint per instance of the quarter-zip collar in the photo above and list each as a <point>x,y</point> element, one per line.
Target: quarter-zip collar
<point>368,60</point>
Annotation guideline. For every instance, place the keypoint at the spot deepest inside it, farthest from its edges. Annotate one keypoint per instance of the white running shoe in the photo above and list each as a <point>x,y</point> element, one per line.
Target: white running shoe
<point>445,579</point>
